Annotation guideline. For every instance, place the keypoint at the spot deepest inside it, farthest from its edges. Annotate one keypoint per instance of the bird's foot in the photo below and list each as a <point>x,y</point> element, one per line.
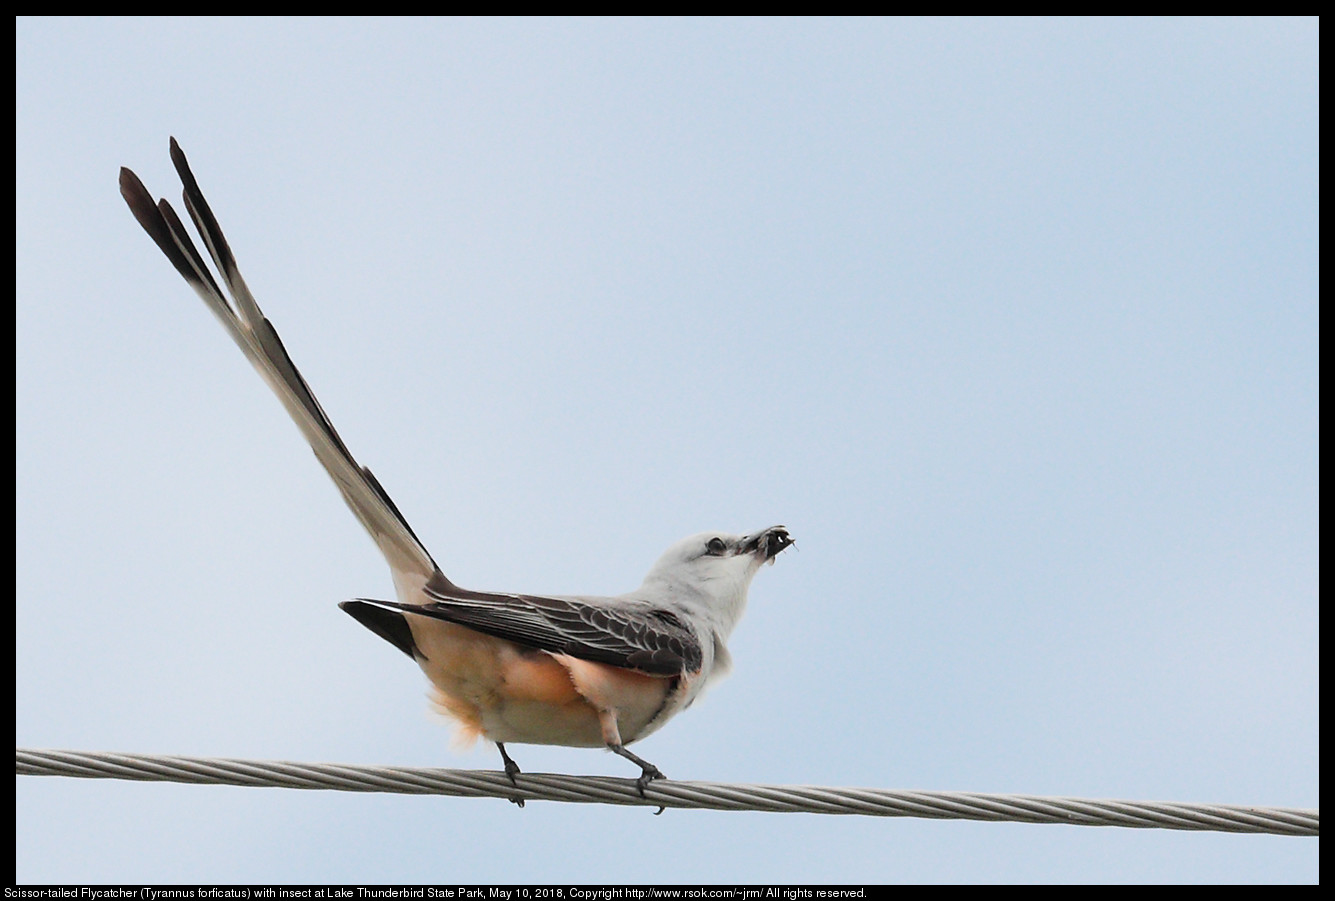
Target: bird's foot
<point>511,770</point>
<point>648,772</point>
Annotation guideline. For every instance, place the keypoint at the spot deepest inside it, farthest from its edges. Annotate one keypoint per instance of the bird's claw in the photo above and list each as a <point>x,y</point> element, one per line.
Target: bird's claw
<point>511,770</point>
<point>649,774</point>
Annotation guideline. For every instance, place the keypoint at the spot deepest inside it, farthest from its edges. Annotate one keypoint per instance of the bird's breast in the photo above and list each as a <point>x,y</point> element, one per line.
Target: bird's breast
<point>507,692</point>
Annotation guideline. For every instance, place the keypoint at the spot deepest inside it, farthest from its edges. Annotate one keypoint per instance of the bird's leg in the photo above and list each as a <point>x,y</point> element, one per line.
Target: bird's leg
<point>607,719</point>
<point>511,770</point>
<point>648,772</point>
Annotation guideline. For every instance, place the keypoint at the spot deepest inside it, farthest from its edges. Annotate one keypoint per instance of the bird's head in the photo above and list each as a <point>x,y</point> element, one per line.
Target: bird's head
<point>717,566</point>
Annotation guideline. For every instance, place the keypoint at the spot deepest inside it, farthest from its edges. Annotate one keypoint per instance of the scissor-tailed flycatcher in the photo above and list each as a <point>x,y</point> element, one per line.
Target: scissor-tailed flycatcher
<point>575,671</point>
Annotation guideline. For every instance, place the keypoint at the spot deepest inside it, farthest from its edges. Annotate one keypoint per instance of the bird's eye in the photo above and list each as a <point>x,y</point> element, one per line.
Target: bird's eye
<point>716,546</point>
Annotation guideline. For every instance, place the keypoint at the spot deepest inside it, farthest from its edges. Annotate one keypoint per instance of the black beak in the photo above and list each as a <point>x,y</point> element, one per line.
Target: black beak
<point>768,543</point>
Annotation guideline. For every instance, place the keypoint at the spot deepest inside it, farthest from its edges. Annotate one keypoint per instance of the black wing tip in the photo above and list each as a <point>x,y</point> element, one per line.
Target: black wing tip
<point>388,624</point>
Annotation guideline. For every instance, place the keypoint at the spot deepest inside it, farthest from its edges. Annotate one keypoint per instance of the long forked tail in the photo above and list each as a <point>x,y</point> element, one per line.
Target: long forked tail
<point>258,340</point>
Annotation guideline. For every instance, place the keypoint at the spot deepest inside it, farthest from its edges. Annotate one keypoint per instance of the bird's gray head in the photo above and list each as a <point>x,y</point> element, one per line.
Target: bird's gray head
<point>718,564</point>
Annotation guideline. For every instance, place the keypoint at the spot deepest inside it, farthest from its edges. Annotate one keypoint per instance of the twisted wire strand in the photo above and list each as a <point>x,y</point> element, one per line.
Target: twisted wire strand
<point>668,793</point>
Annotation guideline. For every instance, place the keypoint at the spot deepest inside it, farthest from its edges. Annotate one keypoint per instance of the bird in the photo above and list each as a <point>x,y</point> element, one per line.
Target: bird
<point>577,671</point>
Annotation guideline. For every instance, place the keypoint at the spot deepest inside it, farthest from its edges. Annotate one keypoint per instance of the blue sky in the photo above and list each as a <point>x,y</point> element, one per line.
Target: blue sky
<point>1013,323</point>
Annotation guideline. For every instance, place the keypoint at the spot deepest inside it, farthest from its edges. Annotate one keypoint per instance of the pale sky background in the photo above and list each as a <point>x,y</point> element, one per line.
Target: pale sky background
<point>1012,323</point>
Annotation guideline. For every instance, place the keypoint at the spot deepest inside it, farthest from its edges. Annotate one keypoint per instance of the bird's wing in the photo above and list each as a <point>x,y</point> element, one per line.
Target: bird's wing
<point>258,340</point>
<point>643,638</point>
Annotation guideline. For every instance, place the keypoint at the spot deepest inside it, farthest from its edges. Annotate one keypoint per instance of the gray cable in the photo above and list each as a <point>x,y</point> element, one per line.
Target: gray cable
<point>669,793</point>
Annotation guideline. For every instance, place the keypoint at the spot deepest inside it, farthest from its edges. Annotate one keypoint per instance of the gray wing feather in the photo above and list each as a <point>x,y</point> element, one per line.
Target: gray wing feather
<point>649,640</point>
